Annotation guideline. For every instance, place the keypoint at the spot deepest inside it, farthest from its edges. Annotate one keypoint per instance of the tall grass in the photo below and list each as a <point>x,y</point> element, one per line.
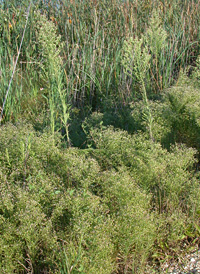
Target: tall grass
<point>93,33</point>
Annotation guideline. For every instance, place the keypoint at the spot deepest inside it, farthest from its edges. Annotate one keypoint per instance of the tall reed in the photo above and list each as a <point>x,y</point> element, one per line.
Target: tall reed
<point>93,33</point>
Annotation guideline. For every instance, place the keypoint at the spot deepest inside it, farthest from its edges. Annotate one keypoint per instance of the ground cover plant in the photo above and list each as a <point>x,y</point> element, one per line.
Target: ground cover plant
<point>99,135</point>
<point>106,209</point>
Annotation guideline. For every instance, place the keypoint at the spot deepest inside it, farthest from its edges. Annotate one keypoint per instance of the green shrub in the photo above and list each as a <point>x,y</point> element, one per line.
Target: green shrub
<point>159,111</point>
<point>108,209</point>
<point>183,115</point>
<point>166,176</point>
<point>36,177</point>
<point>48,196</point>
<point>90,237</point>
<point>176,117</point>
<point>131,210</point>
<point>148,162</point>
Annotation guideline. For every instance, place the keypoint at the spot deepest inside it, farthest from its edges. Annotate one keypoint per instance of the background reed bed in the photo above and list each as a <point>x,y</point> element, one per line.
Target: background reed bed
<point>93,34</point>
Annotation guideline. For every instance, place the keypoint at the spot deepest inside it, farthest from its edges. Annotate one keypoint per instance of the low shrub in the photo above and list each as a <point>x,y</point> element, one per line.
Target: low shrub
<point>111,209</point>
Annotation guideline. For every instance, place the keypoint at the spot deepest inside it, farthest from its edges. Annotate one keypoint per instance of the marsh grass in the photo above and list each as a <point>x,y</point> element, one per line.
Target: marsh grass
<point>93,35</point>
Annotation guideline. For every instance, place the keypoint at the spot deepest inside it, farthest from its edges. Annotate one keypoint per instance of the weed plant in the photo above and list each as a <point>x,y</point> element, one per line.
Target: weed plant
<point>108,209</point>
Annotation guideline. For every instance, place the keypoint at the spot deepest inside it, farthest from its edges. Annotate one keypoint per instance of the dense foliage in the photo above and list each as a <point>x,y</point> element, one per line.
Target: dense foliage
<point>105,209</point>
<point>100,135</point>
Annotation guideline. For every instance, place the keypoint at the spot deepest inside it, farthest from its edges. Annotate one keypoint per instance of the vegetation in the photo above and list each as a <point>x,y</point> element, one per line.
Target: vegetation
<point>99,136</point>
